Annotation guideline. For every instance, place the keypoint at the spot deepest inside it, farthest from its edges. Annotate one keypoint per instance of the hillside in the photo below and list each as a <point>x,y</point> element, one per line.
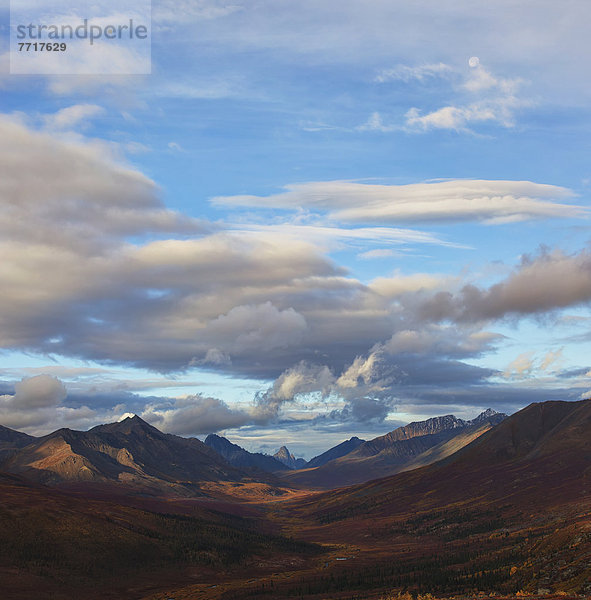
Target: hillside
<point>509,511</point>
<point>64,546</point>
<point>17,439</point>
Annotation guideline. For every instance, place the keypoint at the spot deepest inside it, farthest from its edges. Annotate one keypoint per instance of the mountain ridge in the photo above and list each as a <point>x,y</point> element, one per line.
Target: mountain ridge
<point>130,451</point>
<point>391,453</point>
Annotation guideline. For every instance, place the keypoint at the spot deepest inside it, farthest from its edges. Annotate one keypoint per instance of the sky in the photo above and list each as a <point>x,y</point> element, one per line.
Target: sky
<point>312,220</point>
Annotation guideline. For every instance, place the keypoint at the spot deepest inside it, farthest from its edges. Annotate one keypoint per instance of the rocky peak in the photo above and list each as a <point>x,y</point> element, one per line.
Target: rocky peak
<point>284,456</point>
<point>486,415</point>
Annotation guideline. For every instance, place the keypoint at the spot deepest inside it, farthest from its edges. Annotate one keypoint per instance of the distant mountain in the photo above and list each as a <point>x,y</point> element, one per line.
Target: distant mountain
<point>447,425</point>
<point>335,452</point>
<point>412,444</point>
<point>131,451</point>
<point>284,456</point>
<point>239,457</point>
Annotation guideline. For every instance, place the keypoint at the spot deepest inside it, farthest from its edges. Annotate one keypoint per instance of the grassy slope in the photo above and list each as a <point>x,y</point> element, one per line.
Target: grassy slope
<point>66,546</point>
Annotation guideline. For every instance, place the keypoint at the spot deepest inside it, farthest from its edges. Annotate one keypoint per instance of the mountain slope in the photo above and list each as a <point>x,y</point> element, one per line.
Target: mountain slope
<point>542,455</point>
<point>509,511</point>
<point>131,451</point>
<point>11,441</point>
<point>239,457</point>
<point>335,452</point>
<point>396,451</point>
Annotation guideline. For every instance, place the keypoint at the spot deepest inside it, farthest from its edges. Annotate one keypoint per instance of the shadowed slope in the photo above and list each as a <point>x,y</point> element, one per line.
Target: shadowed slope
<point>337,451</point>
<point>11,441</point>
<point>15,438</point>
<point>509,511</point>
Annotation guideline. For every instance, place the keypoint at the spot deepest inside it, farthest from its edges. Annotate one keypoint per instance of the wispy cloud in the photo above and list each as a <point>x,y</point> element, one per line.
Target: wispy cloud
<point>375,123</point>
<point>408,73</point>
<point>75,116</point>
<point>490,202</point>
<point>327,236</point>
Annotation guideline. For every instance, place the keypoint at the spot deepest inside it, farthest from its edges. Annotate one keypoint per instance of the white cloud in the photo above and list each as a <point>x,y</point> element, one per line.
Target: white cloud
<point>397,285</point>
<point>531,289</point>
<point>551,360</point>
<point>521,366</point>
<point>527,364</point>
<point>492,99</point>
<point>491,202</point>
<point>330,237</point>
<point>500,110</point>
<point>36,406</point>
<point>376,253</point>
<point>81,277</point>
<point>39,392</point>
<point>75,116</point>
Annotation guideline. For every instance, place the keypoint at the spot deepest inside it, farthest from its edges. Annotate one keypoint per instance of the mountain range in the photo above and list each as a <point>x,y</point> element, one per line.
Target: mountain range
<point>407,447</point>
<point>137,454</point>
<point>546,442</point>
<point>131,452</point>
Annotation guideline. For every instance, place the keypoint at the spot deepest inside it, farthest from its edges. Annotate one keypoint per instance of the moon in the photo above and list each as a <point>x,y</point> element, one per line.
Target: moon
<point>474,61</point>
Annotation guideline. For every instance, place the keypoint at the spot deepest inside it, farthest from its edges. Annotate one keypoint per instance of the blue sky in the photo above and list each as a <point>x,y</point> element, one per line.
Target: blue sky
<point>313,220</point>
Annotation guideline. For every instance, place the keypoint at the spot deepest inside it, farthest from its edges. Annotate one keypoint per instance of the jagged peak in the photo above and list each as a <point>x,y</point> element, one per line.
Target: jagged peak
<point>283,451</point>
<point>213,439</point>
<point>487,414</point>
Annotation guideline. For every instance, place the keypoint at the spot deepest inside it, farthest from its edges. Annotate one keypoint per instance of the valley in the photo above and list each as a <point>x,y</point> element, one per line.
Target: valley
<point>504,509</point>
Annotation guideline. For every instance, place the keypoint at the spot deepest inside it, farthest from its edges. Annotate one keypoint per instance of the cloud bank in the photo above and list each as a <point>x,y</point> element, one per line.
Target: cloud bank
<point>95,267</point>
